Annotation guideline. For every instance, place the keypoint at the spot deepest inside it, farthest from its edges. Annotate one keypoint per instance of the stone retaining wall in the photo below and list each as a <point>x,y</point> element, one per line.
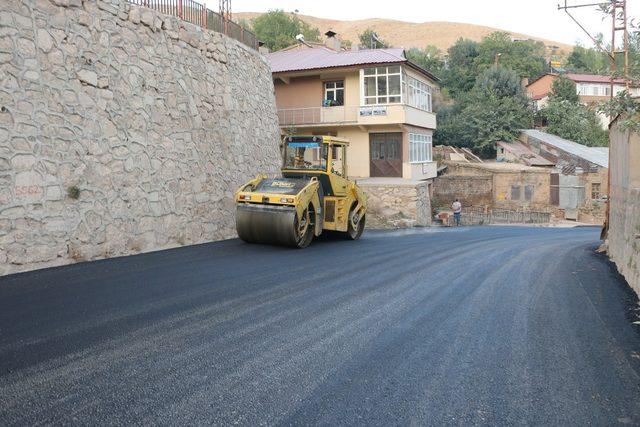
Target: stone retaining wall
<point>397,205</point>
<point>122,131</point>
<point>623,239</point>
<point>624,234</point>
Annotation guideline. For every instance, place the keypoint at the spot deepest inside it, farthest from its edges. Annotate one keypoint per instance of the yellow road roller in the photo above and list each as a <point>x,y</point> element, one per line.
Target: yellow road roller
<point>313,194</point>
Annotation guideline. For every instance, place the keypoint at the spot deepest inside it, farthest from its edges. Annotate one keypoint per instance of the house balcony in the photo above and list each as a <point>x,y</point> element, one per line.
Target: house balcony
<point>356,116</point>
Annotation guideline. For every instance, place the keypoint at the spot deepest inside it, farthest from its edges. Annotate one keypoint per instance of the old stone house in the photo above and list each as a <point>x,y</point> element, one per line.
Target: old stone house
<point>490,185</point>
<point>579,181</point>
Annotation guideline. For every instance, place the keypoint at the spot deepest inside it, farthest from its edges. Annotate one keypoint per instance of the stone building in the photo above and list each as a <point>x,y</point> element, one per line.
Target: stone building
<point>490,185</point>
<point>623,239</point>
<point>579,181</point>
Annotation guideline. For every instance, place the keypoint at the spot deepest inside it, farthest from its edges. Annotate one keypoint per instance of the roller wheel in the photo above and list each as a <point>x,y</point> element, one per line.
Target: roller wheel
<point>355,228</point>
<point>303,229</point>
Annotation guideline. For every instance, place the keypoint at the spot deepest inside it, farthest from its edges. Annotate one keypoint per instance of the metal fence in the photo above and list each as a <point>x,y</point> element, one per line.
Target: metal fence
<point>196,13</point>
<point>480,216</point>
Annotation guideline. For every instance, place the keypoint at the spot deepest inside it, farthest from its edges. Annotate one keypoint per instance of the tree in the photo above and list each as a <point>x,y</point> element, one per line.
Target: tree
<point>499,81</point>
<point>586,60</point>
<point>462,70</point>
<point>564,89</point>
<point>430,58</point>
<point>370,39</point>
<point>278,29</point>
<point>575,122</point>
<point>468,59</point>
<point>495,109</point>
<point>525,57</point>
<point>492,119</point>
<point>244,23</point>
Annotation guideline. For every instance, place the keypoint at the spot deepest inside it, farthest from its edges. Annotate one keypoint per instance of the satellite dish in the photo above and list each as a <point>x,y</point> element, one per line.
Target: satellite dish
<point>300,38</point>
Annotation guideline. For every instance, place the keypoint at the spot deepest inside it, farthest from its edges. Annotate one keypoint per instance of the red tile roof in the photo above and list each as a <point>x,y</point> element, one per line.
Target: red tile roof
<point>584,78</point>
<point>590,78</point>
<point>317,58</point>
<point>322,57</point>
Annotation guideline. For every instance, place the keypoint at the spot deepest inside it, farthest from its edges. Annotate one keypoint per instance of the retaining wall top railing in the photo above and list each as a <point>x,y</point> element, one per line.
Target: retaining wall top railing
<point>196,13</point>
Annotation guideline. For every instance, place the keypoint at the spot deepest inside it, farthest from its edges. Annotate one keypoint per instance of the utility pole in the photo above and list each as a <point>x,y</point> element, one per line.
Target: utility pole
<point>225,9</point>
<point>496,60</point>
<point>618,10</point>
<point>225,14</point>
<point>619,30</point>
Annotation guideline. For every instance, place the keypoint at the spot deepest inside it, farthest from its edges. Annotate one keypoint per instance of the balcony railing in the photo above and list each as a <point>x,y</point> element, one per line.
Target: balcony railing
<point>365,115</point>
<point>318,115</point>
<point>335,114</point>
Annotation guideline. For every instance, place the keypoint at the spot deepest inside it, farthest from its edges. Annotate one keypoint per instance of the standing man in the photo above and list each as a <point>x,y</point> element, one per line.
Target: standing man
<point>457,211</point>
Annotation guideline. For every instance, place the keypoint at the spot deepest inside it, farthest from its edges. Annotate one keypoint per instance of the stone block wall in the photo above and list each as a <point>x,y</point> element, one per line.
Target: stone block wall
<point>122,131</point>
<point>624,233</point>
<point>471,190</point>
<point>397,205</point>
<point>522,190</point>
<point>500,185</point>
<point>623,238</point>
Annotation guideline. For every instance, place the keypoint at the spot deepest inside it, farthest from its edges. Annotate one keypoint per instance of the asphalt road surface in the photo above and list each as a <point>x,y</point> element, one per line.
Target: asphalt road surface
<point>487,325</point>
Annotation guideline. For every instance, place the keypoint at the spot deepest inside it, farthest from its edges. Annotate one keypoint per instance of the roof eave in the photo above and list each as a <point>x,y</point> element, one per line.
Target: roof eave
<point>422,70</point>
<point>542,76</point>
<point>407,62</point>
<point>333,67</point>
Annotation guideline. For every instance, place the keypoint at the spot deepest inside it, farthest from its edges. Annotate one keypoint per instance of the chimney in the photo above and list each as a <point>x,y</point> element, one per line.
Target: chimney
<point>331,41</point>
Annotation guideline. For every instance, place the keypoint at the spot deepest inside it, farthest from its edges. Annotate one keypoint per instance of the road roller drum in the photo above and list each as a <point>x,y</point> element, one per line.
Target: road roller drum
<point>312,194</point>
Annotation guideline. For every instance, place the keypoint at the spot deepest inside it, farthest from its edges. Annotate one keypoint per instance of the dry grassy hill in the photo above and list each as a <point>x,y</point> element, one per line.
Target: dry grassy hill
<point>408,34</point>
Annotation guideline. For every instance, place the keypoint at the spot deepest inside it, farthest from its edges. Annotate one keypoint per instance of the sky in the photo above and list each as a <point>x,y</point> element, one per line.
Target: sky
<point>539,18</point>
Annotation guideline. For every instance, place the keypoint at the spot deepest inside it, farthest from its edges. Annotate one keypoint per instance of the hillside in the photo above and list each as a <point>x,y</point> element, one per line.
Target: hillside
<point>408,34</point>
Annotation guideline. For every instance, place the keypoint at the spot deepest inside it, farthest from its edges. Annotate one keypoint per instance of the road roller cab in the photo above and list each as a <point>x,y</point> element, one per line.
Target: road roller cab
<point>313,194</point>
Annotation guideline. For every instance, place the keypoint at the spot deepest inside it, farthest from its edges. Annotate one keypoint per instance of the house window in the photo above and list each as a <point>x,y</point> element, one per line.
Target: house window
<point>382,85</point>
<point>334,93</point>
<point>595,190</point>
<point>420,148</point>
<point>582,89</point>
<point>528,192</point>
<point>595,90</point>
<point>418,94</point>
<point>607,90</point>
<point>515,192</point>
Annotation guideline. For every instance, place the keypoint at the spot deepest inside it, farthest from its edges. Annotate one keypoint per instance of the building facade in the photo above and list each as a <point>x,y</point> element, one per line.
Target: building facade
<point>375,98</point>
<point>591,89</point>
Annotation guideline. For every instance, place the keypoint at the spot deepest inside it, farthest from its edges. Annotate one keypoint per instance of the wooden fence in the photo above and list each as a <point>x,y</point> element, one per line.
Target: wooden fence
<point>196,13</point>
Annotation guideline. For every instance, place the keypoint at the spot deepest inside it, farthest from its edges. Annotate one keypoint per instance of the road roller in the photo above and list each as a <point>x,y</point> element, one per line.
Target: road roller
<point>312,194</point>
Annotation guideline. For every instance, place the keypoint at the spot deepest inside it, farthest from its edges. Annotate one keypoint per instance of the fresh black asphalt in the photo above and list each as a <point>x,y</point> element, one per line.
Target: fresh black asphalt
<point>487,325</point>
